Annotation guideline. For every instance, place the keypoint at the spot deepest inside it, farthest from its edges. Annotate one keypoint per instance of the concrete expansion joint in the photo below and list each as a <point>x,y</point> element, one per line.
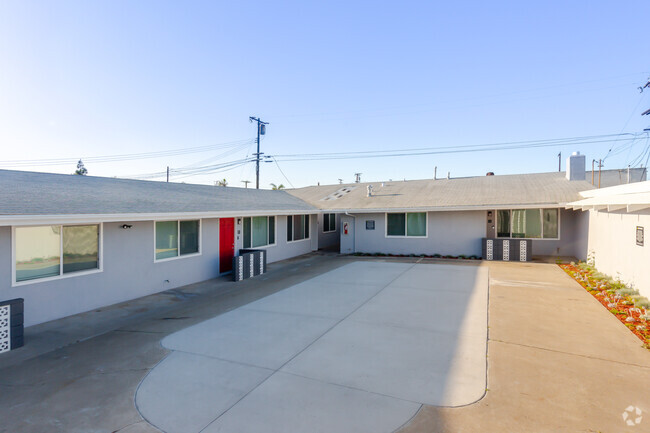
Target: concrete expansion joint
<point>572,354</point>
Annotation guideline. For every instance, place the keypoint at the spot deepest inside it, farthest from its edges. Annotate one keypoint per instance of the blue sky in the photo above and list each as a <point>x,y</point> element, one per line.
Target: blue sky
<point>85,79</point>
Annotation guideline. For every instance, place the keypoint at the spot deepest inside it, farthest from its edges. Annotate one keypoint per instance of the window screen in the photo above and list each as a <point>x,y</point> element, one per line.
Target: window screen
<point>260,231</point>
<point>550,217</point>
<point>166,239</point>
<point>416,224</point>
<point>503,223</point>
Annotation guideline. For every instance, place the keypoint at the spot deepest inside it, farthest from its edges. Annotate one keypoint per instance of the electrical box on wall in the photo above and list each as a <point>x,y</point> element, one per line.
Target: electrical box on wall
<point>639,236</point>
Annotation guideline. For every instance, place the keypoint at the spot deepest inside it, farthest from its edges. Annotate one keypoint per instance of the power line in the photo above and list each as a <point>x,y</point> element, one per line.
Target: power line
<point>125,157</point>
<point>285,176</point>
<point>574,141</point>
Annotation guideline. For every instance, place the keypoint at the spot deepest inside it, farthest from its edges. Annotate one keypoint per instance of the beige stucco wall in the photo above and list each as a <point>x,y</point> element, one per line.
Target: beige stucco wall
<point>612,245</point>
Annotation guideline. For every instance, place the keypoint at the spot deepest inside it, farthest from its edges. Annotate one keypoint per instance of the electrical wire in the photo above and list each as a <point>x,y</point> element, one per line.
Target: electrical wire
<point>285,176</point>
<point>574,141</point>
<point>125,157</point>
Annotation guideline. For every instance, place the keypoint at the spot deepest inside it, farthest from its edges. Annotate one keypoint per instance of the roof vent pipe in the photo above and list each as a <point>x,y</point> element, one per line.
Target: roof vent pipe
<point>435,173</point>
<point>449,175</point>
<point>575,167</point>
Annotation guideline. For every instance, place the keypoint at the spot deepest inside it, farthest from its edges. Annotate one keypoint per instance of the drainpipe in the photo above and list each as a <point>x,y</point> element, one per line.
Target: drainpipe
<point>354,238</point>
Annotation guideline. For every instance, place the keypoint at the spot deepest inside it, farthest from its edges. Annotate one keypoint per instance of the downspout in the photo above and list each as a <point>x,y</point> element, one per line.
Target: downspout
<point>354,238</point>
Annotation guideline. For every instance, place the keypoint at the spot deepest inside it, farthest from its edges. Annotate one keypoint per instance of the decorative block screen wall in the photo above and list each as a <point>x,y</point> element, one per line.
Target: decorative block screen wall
<point>507,250</point>
<point>248,264</point>
<point>11,325</point>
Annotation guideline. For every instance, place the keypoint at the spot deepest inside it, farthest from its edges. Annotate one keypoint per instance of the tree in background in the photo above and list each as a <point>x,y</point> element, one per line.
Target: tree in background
<point>222,182</point>
<point>274,186</point>
<point>81,170</point>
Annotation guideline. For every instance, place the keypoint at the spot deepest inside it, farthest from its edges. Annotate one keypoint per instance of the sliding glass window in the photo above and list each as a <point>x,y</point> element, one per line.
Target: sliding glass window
<point>528,223</point>
<point>171,234</point>
<point>51,251</point>
<point>297,227</point>
<point>259,231</point>
<point>411,224</point>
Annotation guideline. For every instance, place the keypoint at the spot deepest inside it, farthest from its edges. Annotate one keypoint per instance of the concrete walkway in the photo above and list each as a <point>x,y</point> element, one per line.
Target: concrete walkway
<point>558,361</point>
<point>359,348</point>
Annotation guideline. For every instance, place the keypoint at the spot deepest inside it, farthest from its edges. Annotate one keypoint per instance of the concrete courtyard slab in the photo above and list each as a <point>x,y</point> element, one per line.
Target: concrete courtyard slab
<point>196,389</point>
<point>259,338</point>
<point>332,372</point>
<point>407,363</point>
<point>318,299</point>
<point>307,405</point>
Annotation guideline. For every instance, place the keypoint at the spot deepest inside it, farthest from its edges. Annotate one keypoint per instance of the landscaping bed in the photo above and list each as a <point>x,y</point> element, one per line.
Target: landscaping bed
<point>624,302</point>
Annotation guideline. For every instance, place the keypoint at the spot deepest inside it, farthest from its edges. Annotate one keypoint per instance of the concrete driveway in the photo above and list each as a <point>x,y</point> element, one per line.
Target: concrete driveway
<point>360,348</point>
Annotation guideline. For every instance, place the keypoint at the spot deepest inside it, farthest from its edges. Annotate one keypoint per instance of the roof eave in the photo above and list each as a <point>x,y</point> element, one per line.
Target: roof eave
<point>25,220</point>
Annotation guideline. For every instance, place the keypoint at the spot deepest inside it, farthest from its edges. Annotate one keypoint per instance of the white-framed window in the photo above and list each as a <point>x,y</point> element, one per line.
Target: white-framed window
<point>528,223</point>
<point>42,253</point>
<point>406,224</point>
<point>329,222</point>
<point>176,238</point>
<point>259,231</point>
<point>297,227</point>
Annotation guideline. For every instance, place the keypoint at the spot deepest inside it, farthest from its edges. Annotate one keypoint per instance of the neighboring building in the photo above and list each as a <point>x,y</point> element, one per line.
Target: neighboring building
<point>619,221</point>
<point>451,216</point>
<point>70,244</point>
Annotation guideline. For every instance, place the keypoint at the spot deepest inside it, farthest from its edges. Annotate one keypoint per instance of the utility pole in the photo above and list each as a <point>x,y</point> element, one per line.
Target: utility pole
<point>592,171</point>
<point>261,130</point>
<point>246,182</point>
<point>559,161</point>
<point>600,165</point>
<point>167,173</point>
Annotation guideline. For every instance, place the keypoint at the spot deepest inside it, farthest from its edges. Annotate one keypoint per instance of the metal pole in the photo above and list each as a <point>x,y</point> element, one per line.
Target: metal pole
<point>167,173</point>
<point>592,171</point>
<point>600,165</point>
<point>257,162</point>
<point>559,161</point>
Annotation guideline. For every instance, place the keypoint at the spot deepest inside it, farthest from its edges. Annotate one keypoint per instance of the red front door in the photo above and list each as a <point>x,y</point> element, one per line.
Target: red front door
<point>226,244</point>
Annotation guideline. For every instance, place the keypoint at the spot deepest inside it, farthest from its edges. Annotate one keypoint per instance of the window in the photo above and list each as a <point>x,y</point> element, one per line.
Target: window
<point>329,222</point>
<point>297,227</point>
<point>412,224</point>
<point>528,223</point>
<point>370,224</point>
<point>52,251</point>
<point>259,231</point>
<point>176,238</point>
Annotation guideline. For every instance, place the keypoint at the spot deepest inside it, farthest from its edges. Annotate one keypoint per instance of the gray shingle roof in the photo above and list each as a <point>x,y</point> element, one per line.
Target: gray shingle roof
<point>480,192</point>
<point>29,193</point>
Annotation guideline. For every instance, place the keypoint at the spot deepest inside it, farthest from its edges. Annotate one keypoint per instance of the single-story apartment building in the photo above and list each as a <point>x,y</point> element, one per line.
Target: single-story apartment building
<point>452,216</point>
<point>70,244</point>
